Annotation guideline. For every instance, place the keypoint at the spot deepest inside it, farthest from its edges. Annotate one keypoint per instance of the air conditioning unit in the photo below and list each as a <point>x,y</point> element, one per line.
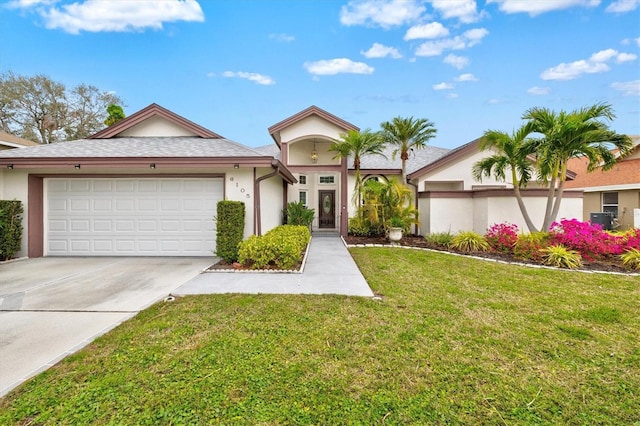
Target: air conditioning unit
<point>603,218</point>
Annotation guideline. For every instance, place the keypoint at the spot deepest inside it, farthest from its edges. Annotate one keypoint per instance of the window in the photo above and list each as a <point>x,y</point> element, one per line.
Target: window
<point>610,203</point>
<point>302,179</point>
<point>302,197</point>
<point>327,179</point>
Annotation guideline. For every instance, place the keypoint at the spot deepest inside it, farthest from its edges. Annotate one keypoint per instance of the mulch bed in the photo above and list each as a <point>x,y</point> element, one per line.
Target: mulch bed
<point>420,242</point>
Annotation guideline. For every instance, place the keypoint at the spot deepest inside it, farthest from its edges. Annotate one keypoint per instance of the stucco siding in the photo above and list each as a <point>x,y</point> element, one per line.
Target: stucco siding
<point>14,187</point>
<point>312,125</point>
<point>450,215</point>
<point>271,203</point>
<point>156,126</point>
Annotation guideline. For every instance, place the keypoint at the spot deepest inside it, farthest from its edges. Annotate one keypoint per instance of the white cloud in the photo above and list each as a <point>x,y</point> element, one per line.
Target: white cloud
<point>628,41</point>
<point>28,4</point>
<point>622,6</point>
<point>597,63</point>
<point>628,88</point>
<point>464,10</point>
<point>383,13</point>
<point>381,51</point>
<point>261,79</point>
<point>495,101</point>
<point>285,38</point>
<point>467,39</point>
<point>626,57</point>
<point>533,7</point>
<point>457,62</point>
<point>443,86</point>
<point>431,30</point>
<point>466,77</point>
<point>452,95</point>
<point>539,91</point>
<point>131,15</point>
<point>337,66</point>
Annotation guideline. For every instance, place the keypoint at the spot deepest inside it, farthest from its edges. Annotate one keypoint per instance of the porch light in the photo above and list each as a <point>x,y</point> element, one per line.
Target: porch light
<point>152,165</point>
<point>314,154</point>
<point>10,166</point>
<point>77,166</point>
<point>236,166</point>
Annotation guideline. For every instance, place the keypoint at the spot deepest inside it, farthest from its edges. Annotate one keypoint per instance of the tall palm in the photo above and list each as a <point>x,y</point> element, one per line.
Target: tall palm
<point>511,152</point>
<point>356,145</point>
<point>566,135</point>
<point>407,134</point>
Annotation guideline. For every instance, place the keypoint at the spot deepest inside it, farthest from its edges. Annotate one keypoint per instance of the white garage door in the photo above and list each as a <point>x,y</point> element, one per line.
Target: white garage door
<point>132,216</point>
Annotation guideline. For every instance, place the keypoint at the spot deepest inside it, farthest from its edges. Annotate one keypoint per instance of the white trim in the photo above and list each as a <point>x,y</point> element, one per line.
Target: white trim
<point>611,188</point>
<point>14,145</point>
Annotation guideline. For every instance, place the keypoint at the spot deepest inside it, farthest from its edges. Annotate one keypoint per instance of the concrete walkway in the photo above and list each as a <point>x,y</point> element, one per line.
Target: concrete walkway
<point>330,269</point>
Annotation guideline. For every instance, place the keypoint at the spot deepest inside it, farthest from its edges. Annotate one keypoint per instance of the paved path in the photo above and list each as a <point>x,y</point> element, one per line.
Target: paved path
<point>330,269</point>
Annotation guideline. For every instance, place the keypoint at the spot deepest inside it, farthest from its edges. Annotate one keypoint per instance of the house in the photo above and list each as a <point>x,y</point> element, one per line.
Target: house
<point>146,186</point>
<point>616,191</point>
<point>149,184</point>
<point>9,141</point>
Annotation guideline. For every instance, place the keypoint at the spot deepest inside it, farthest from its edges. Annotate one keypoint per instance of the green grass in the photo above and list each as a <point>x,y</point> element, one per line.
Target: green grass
<point>453,341</point>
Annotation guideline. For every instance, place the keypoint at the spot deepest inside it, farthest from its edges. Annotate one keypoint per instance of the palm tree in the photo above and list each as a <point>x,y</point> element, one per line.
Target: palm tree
<point>407,134</point>
<point>572,134</point>
<point>358,144</point>
<point>511,152</point>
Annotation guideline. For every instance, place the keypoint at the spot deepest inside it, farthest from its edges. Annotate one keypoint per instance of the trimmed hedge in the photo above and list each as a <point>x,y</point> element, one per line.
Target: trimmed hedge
<point>10,228</point>
<point>279,248</point>
<point>230,229</point>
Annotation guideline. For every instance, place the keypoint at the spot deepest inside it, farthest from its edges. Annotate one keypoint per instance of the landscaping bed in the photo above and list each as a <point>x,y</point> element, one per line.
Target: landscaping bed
<point>609,265</point>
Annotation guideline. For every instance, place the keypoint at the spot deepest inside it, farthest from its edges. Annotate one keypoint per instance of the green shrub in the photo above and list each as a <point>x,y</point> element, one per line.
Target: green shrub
<point>230,229</point>
<point>442,239</point>
<point>529,246</point>
<point>631,258</point>
<point>282,248</point>
<point>561,257</point>
<point>299,214</point>
<point>10,228</point>
<point>358,227</point>
<point>469,241</point>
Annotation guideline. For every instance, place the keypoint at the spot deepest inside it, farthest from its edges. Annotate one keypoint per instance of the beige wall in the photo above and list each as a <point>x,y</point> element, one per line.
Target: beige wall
<point>300,152</point>
<point>14,186</point>
<point>627,201</point>
<point>310,127</point>
<point>156,126</point>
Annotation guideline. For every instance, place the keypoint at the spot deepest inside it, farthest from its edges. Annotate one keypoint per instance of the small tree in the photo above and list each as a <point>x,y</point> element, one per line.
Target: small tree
<point>229,229</point>
<point>10,228</point>
<point>116,113</point>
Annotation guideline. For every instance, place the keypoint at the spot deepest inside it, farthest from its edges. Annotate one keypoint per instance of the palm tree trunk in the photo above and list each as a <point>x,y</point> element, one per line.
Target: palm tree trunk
<point>550,198</point>
<point>523,207</point>
<point>558,200</point>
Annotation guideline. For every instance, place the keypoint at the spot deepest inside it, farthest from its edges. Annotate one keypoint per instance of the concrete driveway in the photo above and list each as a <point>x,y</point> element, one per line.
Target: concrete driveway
<point>51,307</point>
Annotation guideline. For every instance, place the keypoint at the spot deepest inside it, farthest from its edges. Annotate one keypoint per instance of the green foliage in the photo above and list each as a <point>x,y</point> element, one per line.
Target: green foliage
<point>559,256</point>
<point>442,239</point>
<point>631,258</point>
<point>385,202</point>
<point>469,241</point>
<point>407,134</point>
<point>229,229</point>
<point>359,227</point>
<point>298,214</point>
<point>280,248</point>
<point>529,246</point>
<point>116,113</point>
<point>10,228</point>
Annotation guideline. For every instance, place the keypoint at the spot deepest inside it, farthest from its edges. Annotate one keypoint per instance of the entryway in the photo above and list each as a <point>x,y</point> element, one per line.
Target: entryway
<point>327,209</point>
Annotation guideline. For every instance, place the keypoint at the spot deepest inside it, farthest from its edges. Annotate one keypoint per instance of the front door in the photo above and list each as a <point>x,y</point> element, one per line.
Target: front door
<point>327,216</point>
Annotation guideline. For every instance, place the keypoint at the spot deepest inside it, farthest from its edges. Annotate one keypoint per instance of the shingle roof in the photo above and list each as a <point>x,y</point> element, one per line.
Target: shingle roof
<point>15,140</point>
<point>418,158</point>
<point>136,147</point>
<point>271,150</point>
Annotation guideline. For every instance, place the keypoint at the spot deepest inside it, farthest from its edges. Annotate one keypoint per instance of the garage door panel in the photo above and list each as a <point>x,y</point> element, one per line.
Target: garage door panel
<point>132,216</point>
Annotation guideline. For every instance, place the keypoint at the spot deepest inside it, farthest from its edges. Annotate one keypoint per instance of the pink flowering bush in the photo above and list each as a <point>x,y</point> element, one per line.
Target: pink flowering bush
<point>586,238</point>
<point>502,237</point>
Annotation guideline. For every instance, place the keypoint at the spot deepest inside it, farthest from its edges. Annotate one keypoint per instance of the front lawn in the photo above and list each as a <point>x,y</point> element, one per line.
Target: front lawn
<point>452,341</point>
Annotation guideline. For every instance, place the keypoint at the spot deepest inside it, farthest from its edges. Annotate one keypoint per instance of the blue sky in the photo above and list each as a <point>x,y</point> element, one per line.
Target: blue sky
<point>238,67</point>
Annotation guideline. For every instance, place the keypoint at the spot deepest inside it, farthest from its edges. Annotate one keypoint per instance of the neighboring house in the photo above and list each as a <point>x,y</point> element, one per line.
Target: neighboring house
<point>9,141</point>
<point>616,191</point>
<point>149,185</point>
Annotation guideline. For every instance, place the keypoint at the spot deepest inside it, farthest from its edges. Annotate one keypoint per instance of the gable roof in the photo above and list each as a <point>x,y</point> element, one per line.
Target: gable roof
<point>154,110</point>
<point>274,130</point>
<point>625,172</point>
<point>13,141</point>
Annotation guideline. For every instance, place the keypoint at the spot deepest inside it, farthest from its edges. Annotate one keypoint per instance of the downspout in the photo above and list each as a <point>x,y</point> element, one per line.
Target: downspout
<point>415,203</point>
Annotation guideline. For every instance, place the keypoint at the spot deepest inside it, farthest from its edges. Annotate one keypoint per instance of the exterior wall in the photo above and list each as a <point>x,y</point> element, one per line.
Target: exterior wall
<point>270,202</point>
<point>477,211</point>
<point>459,172</point>
<point>14,186</point>
<point>627,201</point>
<point>238,186</point>
<point>156,126</point>
<point>312,125</point>
<point>300,152</point>
<point>312,188</point>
